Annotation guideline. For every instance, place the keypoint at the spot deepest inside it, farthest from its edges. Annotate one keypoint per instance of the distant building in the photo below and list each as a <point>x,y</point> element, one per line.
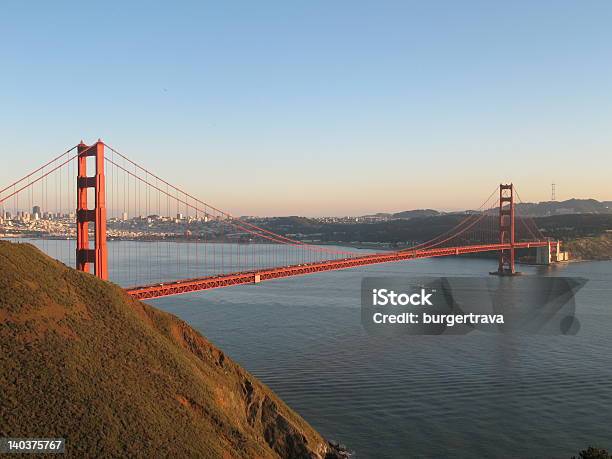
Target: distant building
<point>36,210</point>
<point>124,216</point>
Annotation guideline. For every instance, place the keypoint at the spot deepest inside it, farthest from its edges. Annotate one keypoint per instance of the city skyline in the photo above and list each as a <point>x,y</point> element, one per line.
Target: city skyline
<point>348,109</point>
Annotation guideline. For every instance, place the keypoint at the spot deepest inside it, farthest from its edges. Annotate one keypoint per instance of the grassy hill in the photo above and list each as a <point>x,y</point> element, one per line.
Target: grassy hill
<point>80,359</point>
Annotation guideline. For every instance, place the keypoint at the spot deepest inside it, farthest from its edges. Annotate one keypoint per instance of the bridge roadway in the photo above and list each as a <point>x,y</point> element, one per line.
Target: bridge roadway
<point>250,277</point>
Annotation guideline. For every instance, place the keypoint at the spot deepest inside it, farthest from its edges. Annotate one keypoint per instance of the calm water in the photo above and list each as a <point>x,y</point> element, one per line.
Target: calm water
<point>477,395</point>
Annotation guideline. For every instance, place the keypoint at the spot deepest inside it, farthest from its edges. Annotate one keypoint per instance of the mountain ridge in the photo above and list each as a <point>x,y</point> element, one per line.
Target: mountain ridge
<point>530,209</point>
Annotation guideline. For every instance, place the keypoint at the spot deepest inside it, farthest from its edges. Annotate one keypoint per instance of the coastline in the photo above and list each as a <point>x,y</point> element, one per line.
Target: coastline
<point>581,249</point>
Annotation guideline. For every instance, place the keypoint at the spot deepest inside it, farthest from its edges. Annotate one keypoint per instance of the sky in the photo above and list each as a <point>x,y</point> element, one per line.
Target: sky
<point>318,107</point>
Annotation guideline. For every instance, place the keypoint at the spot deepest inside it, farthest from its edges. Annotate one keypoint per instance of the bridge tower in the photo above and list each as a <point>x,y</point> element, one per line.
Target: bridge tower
<point>506,229</point>
<point>96,215</point>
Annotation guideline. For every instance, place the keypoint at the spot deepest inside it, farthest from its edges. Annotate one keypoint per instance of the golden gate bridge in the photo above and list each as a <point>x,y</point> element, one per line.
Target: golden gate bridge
<point>96,188</point>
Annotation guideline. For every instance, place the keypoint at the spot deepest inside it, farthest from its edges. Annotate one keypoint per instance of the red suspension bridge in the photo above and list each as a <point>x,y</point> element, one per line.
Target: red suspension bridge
<point>165,241</point>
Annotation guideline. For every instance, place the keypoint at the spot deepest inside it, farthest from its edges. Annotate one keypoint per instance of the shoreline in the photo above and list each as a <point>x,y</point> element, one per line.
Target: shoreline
<point>383,247</point>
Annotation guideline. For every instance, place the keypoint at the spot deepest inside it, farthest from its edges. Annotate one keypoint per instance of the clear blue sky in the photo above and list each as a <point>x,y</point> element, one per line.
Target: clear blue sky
<point>319,107</point>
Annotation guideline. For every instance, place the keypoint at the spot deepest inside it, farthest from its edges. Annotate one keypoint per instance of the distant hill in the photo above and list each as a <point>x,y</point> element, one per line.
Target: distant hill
<point>570,206</point>
<point>117,378</point>
<point>407,214</point>
<point>538,209</point>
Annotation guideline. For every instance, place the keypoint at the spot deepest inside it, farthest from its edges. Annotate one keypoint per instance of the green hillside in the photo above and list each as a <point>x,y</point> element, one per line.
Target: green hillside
<point>80,359</point>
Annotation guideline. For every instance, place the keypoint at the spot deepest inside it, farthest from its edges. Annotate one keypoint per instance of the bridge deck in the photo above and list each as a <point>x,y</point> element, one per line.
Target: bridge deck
<point>250,277</point>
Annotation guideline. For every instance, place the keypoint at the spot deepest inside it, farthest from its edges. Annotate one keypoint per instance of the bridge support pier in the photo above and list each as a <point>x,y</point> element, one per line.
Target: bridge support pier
<point>97,215</point>
<point>506,230</point>
<point>551,253</point>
